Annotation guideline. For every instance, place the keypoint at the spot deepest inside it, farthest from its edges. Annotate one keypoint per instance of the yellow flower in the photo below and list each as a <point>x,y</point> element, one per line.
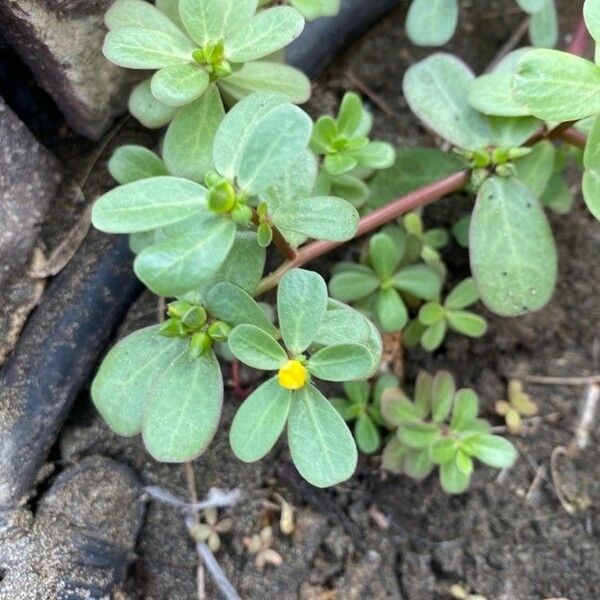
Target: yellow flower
<point>293,375</point>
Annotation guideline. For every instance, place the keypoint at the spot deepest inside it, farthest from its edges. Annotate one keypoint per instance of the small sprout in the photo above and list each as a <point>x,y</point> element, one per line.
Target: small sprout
<point>440,427</point>
<point>362,405</point>
<point>435,319</point>
<point>286,520</point>
<point>209,529</point>
<point>519,405</point>
<point>259,546</point>
<point>458,592</point>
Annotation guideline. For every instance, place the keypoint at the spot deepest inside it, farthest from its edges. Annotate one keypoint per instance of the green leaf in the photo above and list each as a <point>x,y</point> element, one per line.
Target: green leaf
<point>141,49</point>
<point>531,6</point>
<point>383,254</point>
<point>339,163</point>
<point>414,168</point>
<point>391,310</point>
<point>266,76</point>
<point>442,394</point>
<point>418,435</point>
<point>272,147</point>
<point>139,14</point>
<point>431,313</point>
<point>140,240</point>
<point>394,455</point>
<point>423,387</point>
<point>313,9</point>
<point>384,382</point>
<point>147,109</point>
<point>179,84</point>
<point>493,450</point>
<point>204,19</point>
<point>256,348</point>
<point>366,434</point>
<point>558,196</point>
<point>442,450</point>
<point>357,391</point>
<point>259,421</point>
<point>348,187</point>
<point>344,407</point>
<point>229,303</point>
<point>543,27</point>
<point>124,381</point>
<point>375,155</point>
<point>353,285</point>
<point>268,31</point>
<point>463,295</point>
<point>431,22</point>
<point>591,14</point>
<point>512,251</point>
<point>556,86</point>
<point>464,463</point>
<point>147,204</point>
<point>182,414</point>
<point>512,132</point>
<point>464,409</point>
<point>433,336</point>
<point>131,163</point>
<point>178,265</point>
<point>452,479</point>
<point>301,304</point>
<point>419,280</point>
<point>396,408</point>
<point>188,143</point>
<point>321,444</point>
<point>436,90</point>
<point>350,114</point>
<point>467,323</point>
<point>491,94</point>
<point>171,9</point>
<point>535,169</point>
<point>341,362</point>
<point>591,176</point>
<point>320,218</point>
<point>417,464</point>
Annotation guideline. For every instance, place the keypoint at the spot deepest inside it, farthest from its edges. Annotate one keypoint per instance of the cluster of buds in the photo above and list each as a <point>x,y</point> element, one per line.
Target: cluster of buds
<point>212,58</point>
<point>190,320</point>
<point>498,161</point>
<point>223,198</point>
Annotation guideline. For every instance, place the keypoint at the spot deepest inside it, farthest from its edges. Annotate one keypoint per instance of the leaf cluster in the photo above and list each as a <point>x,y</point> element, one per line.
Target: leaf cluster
<point>440,427</point>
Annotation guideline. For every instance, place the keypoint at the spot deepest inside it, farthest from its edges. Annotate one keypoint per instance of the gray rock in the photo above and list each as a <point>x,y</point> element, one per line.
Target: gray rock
<point>61,41</point>
<point>28,181</point>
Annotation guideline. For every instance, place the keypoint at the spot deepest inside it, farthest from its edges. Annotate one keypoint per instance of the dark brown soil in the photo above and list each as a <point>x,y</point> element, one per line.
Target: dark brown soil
<point>503,539</point>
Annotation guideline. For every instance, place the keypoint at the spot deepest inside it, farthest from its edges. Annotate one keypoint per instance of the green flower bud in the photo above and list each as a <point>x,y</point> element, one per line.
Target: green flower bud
<point>178,308</point>
<point>219,331</point>
<point>195,317</point>
<point>413,224</point>
<point>198,56</point>
<point>507,170</point>
<point>223,69</point>
<point>242,215</point>
<point>212,178</point>
<point>515,153</point>
<point>170,328</point>
<point>481,159</point>
<point>200,343</point>
<point>214,52</point>
<point>221,198</point>
<point>500,156</point>
<point>478,176</point>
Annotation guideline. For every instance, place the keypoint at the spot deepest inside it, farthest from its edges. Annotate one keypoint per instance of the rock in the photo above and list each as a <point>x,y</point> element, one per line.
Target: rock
<point>82,539</point>
<point>28,181</point>
<point>61,41</point>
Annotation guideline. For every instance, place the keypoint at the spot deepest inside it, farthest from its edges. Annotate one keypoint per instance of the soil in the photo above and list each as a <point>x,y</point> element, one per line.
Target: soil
<point>380,536</point>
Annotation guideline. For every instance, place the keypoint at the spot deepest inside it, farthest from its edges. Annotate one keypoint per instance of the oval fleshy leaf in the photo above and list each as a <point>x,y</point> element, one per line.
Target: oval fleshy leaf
<point>180,84</point>
<point>591,176</point>
<point>140,14</point>
<point>341,362</point>
<point>183,412</point>
<point>147,109</point>
<point>431,22</point>
<point>366,434</point>
<point>355,284</point>
<point>259,421</point>
<point>256,348</point>
<point>512,251</point>
<point>543,26</point>
<point>493,450</point>
<point>322,447</point>
<point>131,163</point>
<point>452,479</point>
<point>491,94</point>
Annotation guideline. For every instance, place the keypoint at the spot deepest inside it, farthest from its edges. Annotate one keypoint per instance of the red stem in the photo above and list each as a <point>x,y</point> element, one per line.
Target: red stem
<point>580,41</point>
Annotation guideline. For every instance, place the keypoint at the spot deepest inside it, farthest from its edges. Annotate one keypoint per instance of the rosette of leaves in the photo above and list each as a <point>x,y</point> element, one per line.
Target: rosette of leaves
<point>435,318</point>
<point>434,22</point>
<point>349,156</point>
<point>440,427</point>
<point>362,406</point>
<point>381,282</point>
<point>559,87</point>
<point>321,445</point>
<point>312,9</point>
<point>511,247</point>
<point>518,405</point>
<point>194,226</point>
<point>200,46</point>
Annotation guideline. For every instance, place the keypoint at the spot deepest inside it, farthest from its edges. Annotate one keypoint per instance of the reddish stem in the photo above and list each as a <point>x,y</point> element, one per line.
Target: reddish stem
<point>580,41</point>
<point>236,384</point>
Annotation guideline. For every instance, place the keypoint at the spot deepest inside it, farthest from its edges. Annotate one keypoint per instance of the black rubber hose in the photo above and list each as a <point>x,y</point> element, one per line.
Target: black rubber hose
<point>82,307</point>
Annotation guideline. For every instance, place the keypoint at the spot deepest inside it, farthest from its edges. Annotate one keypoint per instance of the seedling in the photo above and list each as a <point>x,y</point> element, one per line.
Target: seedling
<point>209,530</point>
<point>440,427</point>
<point>362,406</point>
<point>458,592</point>
<point>259,546</point>
<point>519,405</point>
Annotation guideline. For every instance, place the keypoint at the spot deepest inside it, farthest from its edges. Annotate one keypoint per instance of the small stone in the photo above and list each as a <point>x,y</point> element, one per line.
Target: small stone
<point>61,41</point>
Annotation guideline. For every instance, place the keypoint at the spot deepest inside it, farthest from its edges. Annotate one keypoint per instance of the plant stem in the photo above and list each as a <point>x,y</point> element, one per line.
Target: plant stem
<point>385,214</point>
<point>280,242</point>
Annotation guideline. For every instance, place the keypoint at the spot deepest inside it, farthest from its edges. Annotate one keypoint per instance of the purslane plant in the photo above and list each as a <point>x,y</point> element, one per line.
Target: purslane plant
<point>195,45</point>
<point>434,22</point>
<point>440,428</point>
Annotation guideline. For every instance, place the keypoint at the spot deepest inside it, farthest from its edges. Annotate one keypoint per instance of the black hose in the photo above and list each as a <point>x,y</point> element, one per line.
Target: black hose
<point>82,307</point>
